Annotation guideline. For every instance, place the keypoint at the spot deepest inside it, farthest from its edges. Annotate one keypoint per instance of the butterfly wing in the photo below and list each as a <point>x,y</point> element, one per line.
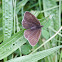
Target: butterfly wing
<point>32,36</point>
<point>27,25</point>
<point>29,21</point>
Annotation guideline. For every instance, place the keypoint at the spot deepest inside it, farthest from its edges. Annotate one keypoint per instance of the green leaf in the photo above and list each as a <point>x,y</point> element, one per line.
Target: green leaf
<point>40,16</point>
<point>26,49</point>
<point>46,24</point>
<point>20,5</point>
<point>53,15</point>
<point>1,31</point>
<point>7,18</point>
<point>45,33</point>
<point>35,56</point>
<point>12,44</point>
<point>1,37</point>
<point>0,10</point>
<point>35,13</point>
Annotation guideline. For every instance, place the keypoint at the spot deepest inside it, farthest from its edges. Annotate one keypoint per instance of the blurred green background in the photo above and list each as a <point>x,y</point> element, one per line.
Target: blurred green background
<point>12,41</point>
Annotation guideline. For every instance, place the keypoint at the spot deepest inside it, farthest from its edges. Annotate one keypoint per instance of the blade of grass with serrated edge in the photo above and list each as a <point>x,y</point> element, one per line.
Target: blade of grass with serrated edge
<point>7,18</point>
<point>12,44</point>
<point>35,56</point>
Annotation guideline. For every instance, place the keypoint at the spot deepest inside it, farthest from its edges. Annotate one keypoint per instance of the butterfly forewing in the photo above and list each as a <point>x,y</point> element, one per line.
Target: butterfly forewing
<point>27,25</point>
<point>30,21</point>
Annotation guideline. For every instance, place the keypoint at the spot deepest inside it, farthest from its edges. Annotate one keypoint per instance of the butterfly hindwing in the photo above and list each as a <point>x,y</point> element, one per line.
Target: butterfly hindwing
<point>32,36</point>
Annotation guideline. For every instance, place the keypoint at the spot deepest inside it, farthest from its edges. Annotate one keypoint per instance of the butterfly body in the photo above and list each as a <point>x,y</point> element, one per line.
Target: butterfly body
<point>36,27</point>
<point>33,32</point>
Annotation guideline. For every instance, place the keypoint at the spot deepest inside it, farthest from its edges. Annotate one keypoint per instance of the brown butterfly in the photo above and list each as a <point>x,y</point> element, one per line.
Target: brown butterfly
<point>33,32</point>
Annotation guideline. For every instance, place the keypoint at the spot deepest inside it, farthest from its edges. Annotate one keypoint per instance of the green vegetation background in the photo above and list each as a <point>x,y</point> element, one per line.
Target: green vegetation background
<point>14,47</point>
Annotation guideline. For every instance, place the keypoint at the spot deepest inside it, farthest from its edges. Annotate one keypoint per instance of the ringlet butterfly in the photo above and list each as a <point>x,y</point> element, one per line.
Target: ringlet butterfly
<point>33,32</point>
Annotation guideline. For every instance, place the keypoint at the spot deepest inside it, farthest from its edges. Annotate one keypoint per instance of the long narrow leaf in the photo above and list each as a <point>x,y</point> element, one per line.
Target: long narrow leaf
<point>7,18</point>
<point>35,56</point>
<point>12,44</point>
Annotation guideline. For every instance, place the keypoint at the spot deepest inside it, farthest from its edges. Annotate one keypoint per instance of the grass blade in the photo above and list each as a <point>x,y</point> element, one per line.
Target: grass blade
<point>35,56</point>
<point>11,44</point>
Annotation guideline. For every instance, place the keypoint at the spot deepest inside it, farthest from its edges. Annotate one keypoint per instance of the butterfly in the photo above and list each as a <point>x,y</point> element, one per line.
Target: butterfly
<point>33,32</point>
